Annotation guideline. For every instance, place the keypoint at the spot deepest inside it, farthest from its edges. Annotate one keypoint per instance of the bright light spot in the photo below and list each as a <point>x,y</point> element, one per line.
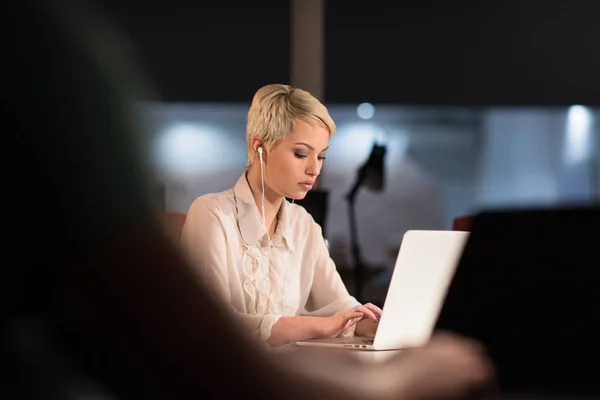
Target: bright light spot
<point>365,110</point>
<point>352,144</point>
<point>188,147</point>
<point>578,135</point>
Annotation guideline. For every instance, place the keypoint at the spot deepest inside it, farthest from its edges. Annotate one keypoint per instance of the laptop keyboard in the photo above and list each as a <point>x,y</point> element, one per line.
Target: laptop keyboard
<point>354,340</point>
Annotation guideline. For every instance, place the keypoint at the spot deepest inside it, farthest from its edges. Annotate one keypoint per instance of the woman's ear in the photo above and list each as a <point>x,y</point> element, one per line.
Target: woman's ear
<point>256,143</point>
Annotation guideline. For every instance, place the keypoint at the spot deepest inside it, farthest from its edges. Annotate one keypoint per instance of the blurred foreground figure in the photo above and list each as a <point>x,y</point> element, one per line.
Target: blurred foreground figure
<point>97,299</point>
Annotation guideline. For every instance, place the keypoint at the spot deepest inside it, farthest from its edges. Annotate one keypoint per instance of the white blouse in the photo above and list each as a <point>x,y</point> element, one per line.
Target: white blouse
<point>261,279</point>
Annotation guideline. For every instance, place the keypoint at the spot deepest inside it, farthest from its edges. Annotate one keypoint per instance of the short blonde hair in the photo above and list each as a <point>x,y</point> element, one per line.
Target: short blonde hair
<point>274,111</point>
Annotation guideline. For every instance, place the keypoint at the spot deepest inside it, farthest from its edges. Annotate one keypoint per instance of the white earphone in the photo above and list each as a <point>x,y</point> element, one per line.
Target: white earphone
<point>262,181</point>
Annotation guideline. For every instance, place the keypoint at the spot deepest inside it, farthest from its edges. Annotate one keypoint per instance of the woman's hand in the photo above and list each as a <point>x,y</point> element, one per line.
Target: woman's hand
<point>336,324</point>
<point>367,326</point>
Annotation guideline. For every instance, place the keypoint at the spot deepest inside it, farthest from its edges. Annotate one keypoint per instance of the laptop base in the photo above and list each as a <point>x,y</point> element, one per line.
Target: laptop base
<point>355,343</point>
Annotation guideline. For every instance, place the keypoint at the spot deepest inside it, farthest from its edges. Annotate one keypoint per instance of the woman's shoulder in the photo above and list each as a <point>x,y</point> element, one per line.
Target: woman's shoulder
<point>213,202</point>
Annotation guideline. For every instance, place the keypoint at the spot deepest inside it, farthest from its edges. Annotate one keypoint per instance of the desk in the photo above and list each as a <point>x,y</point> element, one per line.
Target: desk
<point>366,371</point>
<point>360,356</point>
<point>357,370</point>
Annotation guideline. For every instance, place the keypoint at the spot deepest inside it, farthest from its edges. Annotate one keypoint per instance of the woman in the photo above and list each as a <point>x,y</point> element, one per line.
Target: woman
<point>267,257</point>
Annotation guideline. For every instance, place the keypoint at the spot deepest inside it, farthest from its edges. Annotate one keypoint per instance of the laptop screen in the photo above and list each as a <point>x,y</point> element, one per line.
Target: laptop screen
<point>528,287</point>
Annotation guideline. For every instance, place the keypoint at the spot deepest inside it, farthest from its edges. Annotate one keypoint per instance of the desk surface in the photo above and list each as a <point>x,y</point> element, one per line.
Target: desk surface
<point>357,369</point>
<point>354,369</point>
<point>367,356</point>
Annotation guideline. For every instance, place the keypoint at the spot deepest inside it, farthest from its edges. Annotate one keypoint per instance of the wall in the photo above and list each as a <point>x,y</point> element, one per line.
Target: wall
<point>537,156</point>
<point>441,163</point>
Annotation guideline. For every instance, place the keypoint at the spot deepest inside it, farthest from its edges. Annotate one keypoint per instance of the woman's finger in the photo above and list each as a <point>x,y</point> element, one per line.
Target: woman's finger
<point>352,321</point>
<point>353,315</point>
<point>368,313</point>
<point>376,310</point>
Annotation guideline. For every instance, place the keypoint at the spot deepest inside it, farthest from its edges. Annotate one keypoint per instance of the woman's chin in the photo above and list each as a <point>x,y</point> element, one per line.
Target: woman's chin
<point>296,195</point>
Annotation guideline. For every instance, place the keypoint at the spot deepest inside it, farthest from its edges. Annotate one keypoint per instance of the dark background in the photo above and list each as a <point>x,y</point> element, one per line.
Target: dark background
<point>418,53</point>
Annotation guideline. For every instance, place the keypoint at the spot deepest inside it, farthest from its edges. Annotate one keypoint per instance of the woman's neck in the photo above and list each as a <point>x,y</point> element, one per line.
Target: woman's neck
<point>273,200</point>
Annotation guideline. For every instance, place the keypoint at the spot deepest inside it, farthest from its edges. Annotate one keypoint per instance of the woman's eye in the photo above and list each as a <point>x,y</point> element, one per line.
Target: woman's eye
<point>322,158</point>
<point>300,155</point>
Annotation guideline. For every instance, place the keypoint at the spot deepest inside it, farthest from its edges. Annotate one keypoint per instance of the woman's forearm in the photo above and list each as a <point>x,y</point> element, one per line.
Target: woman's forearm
<point>289,329</point>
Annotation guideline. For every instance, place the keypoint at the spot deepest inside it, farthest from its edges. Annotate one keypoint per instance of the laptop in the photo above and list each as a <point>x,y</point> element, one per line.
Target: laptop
<point>527,286</point>
<point>423,271</point>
